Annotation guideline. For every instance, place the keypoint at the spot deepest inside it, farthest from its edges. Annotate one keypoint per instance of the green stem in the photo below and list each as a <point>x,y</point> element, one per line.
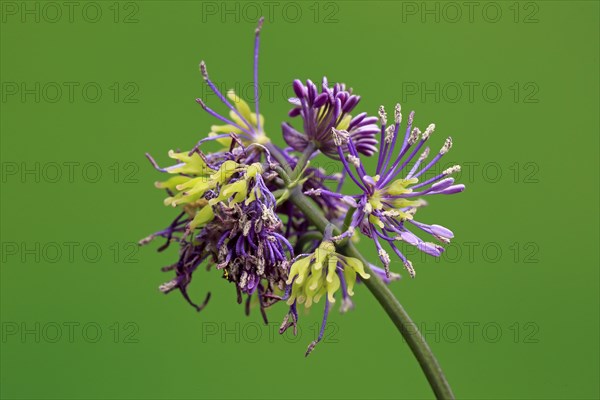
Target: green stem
<point>390,304</point>
<point>307,238</point>
<point>303,160</point>
<point>278,155</point>
<point>346,225</point>
<point>278,193</point>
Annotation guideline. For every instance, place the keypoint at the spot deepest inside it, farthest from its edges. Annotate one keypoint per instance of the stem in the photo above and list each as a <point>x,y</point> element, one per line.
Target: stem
<point>277,154</point>
<point>307,238</point>
<point>346,225</point>
<point>390,304</point>
<point>302,161</point>
<point>409,330</point>
<point>278,193</point>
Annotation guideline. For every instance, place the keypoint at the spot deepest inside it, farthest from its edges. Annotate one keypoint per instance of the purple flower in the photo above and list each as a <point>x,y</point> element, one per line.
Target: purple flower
<point>243,236</point>
<point>390,198</point>
<point>247,125</point>
<point>252,247</point>
<point>321,112</point>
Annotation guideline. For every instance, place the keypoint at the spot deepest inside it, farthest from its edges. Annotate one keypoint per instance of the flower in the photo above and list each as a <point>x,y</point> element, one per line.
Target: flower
<point>247,125</point>
<point>252,247</point>
<point>309,282</point>
<point>386,208</point>
<point>321,273</point>
<point>228,216</point>
<point>202,187</point>
<point>244,123</point>
<point>233,212</point>
<point>327,110</point>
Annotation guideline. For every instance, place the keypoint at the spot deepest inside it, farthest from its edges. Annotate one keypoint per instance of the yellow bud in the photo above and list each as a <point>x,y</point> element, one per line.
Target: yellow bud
<point>399,186</point>
<point>226,170</point>
<point>172,182</point>
<point>299,268</point>
<point>357,266</point>
<point>203,216</point>
<point>184,197</point>
<point>196,184</point>
<point>315,278</point>
<point>309,297</point>
<point>192,165</point>
<point>220,129</point>
<point>253,170</point>
<point>403,203</point>
<point>239,188</point>
<point>295,292</point>
<point>375,220</point>
<point>331,268</point>
<point>322,290</point>
<point>321,255</point>
<point>350,276</point>
<point>333,287</point>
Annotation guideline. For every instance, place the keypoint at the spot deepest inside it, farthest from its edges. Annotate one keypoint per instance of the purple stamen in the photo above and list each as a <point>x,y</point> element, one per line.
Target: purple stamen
<point>256,48</point>
<point>383,152</point>
<point>341,181</point>
<point>321,331</point>
<point>347,168</point>
<point>220,95</point>
<point>431,164</point>
<point>392,173</point>
<point>392,147</point>
<point>218,116</point>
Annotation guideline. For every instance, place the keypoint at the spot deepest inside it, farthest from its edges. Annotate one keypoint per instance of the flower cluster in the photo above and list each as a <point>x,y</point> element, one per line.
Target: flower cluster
<point>391,197</point>
<point>279,229</point>
<point>322,112</point>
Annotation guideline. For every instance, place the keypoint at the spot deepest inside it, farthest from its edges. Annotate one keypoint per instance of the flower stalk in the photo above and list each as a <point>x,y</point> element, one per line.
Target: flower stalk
<point>303,160</point>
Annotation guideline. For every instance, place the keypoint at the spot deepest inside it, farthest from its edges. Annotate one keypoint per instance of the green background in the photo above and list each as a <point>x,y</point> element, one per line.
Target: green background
<point>522,323</point>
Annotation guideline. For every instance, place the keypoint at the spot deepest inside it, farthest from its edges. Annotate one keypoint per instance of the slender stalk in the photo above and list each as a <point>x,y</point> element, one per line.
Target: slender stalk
<point>302,161</point>
<point>390,304</point>
<point>346,225</point>
<point>409,330</point>
<point>277,154</point>
<point>307,238</point>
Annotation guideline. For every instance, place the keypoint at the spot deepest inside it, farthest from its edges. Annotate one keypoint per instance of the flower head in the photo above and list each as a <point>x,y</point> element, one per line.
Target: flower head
<point>321,112</point>
<point>314,275</point>
<point>321,273</point>
<point>392,195</point>
<point>228,217</point>
<point>247,125</point>
<point>244,121</point>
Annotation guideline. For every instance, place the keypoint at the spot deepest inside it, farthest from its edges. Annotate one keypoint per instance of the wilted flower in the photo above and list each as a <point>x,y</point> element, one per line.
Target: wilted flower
<point>235,212</point>
<point>324,111</point>
<point>388,203</point>
<point>253,247</point>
